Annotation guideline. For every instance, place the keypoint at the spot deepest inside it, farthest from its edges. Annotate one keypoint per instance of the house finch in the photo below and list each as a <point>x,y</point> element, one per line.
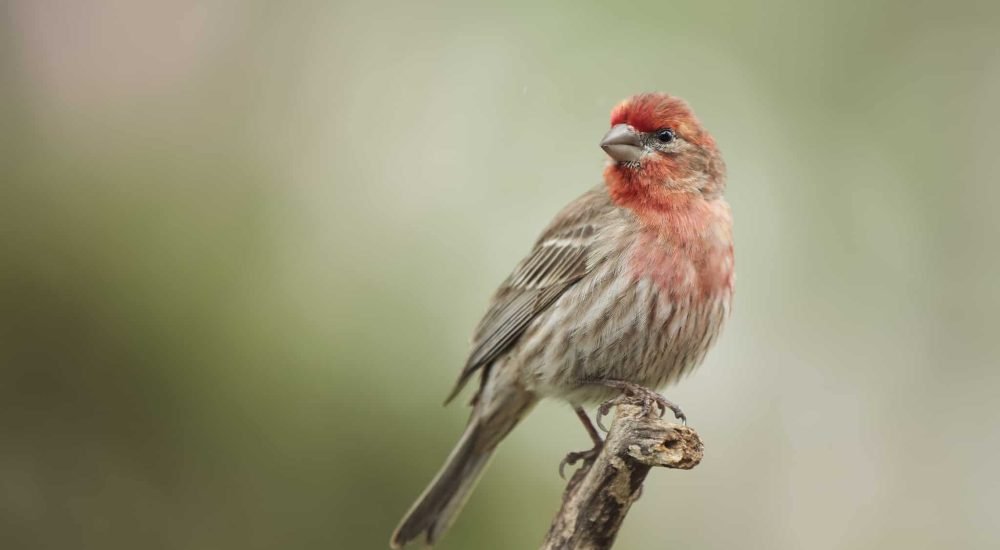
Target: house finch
<point>624,291</point>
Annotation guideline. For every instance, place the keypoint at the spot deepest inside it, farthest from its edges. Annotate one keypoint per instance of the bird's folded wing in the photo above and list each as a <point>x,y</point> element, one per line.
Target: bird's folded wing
<point>560,258</point>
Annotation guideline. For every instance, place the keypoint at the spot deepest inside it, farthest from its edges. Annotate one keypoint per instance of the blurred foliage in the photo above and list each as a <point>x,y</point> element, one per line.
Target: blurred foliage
<point>244,243</point>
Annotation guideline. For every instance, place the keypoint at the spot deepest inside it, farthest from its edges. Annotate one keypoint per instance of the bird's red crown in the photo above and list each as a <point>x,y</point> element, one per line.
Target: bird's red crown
<point>653,111</point>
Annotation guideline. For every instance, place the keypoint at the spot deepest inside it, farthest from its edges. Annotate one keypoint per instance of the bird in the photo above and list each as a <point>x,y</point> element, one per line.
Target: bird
<point>622,294</point>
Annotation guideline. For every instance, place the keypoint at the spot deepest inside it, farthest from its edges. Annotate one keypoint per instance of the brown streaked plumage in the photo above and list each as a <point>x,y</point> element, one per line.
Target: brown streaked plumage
<point>628,286</point>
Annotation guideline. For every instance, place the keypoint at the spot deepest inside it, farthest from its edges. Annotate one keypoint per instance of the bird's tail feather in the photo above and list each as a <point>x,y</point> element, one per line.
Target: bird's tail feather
<point>442,500</point>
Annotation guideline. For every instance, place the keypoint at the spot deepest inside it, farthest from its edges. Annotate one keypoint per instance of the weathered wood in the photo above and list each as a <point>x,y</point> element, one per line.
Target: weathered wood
<point>600,493</point>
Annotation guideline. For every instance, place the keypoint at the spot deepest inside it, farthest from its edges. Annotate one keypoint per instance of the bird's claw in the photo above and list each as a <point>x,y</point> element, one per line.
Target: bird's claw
<point>645,398</point>
<point>574,457</point>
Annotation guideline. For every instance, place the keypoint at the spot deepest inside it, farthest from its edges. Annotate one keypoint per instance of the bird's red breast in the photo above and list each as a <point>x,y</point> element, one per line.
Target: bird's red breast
<point>685,249</point>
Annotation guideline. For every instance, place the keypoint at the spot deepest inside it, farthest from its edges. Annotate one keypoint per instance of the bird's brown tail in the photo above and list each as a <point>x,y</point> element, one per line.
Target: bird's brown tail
<point>442,500</point>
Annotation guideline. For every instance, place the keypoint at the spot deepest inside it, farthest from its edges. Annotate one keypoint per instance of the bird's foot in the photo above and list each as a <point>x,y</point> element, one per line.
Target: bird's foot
<point>639,395</point>
<point>572,458</point>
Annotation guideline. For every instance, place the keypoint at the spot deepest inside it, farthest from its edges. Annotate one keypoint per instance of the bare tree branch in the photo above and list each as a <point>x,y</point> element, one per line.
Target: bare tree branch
<point>600,493</point>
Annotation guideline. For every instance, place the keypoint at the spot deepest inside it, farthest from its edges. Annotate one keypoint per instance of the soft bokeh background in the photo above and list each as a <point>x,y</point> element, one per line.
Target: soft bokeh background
<point>243,245</point>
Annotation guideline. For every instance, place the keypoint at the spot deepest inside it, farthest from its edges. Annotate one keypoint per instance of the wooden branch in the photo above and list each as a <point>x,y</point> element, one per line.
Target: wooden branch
<point>601,492</point>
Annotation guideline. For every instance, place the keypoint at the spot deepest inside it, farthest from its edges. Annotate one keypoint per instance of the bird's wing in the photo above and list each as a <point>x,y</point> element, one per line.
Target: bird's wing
<point>560,258</point>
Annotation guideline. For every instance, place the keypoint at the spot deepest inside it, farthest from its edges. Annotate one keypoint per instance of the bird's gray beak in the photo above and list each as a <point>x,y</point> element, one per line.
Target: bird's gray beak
<point>622,143</point>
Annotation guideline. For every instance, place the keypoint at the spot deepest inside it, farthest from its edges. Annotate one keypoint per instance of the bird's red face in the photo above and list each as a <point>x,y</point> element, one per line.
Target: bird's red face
<point>657,143</point>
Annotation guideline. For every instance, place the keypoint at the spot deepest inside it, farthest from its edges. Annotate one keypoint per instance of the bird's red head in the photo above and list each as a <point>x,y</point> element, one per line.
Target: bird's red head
<point>659,148</point>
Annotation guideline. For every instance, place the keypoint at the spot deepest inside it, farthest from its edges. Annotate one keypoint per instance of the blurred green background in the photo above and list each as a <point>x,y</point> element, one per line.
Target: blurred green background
<point>243,246</point>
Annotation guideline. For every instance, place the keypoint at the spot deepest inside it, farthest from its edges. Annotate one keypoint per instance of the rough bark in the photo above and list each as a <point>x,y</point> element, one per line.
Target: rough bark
<point>600,493</point>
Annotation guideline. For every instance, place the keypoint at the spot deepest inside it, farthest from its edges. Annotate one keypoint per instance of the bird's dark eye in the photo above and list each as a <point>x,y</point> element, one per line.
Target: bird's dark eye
<point>665,135</point>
